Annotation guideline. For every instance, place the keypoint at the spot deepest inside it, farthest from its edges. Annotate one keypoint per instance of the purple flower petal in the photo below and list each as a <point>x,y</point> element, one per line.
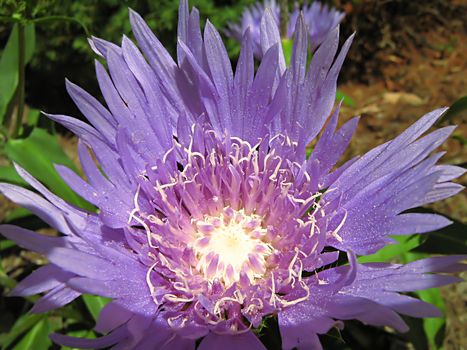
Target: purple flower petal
<point>230,342</point>
<point>43,279</point>
<point>112,338</point>
<point>56,298</point>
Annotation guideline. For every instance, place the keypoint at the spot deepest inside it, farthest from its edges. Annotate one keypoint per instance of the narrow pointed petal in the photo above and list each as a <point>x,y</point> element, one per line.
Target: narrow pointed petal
<point>37,205</point>
<point>56,298</point>
<point>81,263</point>
<point>97,115</point>
<point>270,36</point>
<point>32,241</point>
<point>43,279</point>
<point>300,51</point>
<point>110,339</point>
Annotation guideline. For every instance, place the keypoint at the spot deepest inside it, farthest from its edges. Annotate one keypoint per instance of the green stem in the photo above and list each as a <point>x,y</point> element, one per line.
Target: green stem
<point>21,79</point>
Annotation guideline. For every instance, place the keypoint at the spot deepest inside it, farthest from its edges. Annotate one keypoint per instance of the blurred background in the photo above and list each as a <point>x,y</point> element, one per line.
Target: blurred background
<point>408,58</point>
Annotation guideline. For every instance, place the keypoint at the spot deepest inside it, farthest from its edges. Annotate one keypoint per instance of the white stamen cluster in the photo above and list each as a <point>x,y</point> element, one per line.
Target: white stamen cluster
<point>230,244</point>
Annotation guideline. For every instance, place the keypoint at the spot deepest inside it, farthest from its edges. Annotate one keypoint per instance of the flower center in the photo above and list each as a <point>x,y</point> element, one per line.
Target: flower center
<point>231,245</point>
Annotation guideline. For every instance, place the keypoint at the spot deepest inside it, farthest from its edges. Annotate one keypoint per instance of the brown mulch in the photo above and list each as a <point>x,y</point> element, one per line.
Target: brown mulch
<point>417,67</point>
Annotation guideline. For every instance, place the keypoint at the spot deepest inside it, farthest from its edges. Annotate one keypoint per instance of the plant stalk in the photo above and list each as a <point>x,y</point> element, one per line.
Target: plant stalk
<point>21,79</point>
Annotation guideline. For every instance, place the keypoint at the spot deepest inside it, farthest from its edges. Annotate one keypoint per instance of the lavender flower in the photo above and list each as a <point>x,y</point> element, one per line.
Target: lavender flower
<point>210,218</point>
<point>319,19</point>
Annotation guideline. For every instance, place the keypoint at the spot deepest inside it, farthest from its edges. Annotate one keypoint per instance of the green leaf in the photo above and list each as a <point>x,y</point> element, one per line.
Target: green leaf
<point>9,65</point>
<point>434,325</point>
<point>348,101</point>
<point>95,304</point>
<point>287,47</point>
<point>404,245</point>
<point>37,154</point>
<point>33,117</point>
<point>23,324</point>
<point>8,174</point>
<point>16,214</point>
<point>6,244</point>
<point>456,108</point>
<point>37,338</point>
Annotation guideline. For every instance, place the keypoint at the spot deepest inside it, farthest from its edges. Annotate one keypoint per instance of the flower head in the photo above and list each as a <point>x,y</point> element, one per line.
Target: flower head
<point>211,217</point>
<point>319,19</point>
